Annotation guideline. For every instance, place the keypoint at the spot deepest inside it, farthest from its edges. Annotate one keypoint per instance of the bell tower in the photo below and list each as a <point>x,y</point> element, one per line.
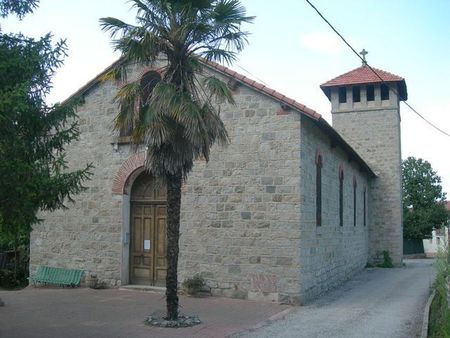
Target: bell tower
<point>365,107</point>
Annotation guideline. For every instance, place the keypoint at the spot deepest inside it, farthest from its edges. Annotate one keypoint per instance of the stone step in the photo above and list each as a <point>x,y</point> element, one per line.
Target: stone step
<point>147,288</point>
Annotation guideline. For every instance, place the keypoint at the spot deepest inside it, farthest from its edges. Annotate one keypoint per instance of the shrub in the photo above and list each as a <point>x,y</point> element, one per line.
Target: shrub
<point>194,285</point>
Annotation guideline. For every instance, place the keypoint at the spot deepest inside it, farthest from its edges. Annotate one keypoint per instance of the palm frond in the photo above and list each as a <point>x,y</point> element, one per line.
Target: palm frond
<point>218,55</point>
<point>230,12</point>
<point>128,100</point>
<point>180,120</point>
<point>118,73</point>
<point>218,89</point>
<point>115,26</point>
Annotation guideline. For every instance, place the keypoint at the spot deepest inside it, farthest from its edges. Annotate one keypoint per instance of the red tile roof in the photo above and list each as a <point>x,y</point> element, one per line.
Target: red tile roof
<point>362,75</point>
<point>366,75</point>
<point>265,90</point>
<point>316,117</point>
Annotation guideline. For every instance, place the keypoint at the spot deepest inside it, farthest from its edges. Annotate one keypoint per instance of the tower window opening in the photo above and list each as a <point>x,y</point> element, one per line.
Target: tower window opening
<point>342,94</point>
<point>356,93</point>
<point>370,92</point>
<point>384,92</point>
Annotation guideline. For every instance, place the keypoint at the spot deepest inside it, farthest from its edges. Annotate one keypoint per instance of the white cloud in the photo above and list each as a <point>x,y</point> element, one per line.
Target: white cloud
<point>323,42</point>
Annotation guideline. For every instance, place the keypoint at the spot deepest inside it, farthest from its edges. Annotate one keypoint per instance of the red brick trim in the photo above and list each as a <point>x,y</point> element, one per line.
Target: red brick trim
<point>160,71</point>
<point>134,162</point>
<point>282,111</point>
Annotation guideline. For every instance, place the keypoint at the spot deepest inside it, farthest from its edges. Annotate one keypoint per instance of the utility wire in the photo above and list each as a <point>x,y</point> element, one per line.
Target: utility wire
<point>373,70</point>
<point>245,70</point>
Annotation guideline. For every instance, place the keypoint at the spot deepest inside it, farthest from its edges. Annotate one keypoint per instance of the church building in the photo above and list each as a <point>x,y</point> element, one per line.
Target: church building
<point>289,209</point>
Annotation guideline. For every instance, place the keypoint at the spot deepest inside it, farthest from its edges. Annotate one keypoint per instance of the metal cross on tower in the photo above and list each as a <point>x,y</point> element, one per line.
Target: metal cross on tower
<point>364,53</point>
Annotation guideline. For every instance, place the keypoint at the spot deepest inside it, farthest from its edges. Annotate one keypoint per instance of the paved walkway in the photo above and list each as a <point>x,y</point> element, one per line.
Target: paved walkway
<point>377,303</point>
<point>74,313</point>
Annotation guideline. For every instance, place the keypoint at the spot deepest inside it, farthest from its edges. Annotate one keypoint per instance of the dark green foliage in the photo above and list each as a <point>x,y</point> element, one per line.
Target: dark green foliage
<point>17,7</point>
<point>33,135</point>
<point>423,199</point>
<point>387,260</point>
<point>178,120</point>
<point>14,273</point>
<point>439,318</point>
<point>194,285</point>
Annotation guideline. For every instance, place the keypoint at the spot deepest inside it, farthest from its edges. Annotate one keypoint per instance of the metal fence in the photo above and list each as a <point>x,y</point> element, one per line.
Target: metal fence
<point>6,259</point>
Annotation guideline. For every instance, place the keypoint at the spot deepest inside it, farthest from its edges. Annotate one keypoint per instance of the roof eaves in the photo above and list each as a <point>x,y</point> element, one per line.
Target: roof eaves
<point>337,138</point>
<point>308,112</point>
<point>264,90</point>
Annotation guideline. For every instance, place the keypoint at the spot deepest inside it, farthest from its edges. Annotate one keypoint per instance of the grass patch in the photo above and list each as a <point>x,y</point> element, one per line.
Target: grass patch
<point>439,320</point>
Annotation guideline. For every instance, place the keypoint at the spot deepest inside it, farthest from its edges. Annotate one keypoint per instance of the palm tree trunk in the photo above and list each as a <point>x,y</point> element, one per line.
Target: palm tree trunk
<point>174,183</point>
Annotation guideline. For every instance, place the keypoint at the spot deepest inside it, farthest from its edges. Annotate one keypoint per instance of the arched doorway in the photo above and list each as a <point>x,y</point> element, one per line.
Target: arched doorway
<point>148,231</point>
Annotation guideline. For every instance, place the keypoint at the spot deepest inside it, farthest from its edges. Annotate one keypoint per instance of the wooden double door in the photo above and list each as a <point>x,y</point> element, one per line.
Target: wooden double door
<point>148,245</point>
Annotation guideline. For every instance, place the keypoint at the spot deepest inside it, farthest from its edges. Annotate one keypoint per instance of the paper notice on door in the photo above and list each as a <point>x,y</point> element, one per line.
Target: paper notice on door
<point>146,244</point>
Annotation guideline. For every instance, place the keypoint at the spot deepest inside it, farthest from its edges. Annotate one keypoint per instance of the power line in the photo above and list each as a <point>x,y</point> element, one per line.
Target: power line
<point>248,72</point>
<point>373,70</point>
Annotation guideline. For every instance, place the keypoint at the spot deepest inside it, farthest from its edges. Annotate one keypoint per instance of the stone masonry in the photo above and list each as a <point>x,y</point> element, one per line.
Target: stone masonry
<point>248,222</point>
<point>373,130</point>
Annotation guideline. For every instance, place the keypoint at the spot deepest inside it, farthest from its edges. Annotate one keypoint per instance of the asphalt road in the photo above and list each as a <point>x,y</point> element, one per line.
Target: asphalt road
<point>375,303</point>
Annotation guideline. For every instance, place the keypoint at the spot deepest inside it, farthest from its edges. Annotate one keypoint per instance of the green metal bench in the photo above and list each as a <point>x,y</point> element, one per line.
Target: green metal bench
<point>57,276</point>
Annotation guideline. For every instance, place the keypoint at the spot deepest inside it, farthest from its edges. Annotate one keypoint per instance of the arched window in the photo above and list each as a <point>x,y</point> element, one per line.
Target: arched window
<point>355,184</point>
<point>147,83</point>
<point>319,165</point>
<point>341,196</point>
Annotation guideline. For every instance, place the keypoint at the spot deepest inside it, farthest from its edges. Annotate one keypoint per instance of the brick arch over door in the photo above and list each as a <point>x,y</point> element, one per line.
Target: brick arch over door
<point>133,163</point>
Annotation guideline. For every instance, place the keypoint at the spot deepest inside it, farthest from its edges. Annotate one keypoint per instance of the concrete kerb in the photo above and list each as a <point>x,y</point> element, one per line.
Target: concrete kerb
<point>426,316</point>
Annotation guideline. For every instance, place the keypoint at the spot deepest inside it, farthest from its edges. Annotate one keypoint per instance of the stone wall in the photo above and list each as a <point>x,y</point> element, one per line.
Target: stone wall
<point>240,216</point>
<point>240,212</point>
<point>330,253</point>
<point>87,236</point>
<point>373,130</point>
<point>248,216</point>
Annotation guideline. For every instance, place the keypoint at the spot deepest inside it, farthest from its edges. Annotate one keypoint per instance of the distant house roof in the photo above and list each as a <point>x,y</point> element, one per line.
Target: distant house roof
<point>447,205</point>
<point>365,75</point>
<point>334,136</point>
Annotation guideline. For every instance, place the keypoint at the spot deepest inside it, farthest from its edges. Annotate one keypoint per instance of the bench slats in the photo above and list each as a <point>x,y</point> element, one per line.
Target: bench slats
<point>57,276</point>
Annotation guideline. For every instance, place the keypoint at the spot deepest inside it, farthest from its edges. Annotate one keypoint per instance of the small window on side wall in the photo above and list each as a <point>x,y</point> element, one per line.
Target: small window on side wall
<point>355,184</point>
<point>341,196</point>
<point>342,94</point>
<point>356,93</point>
<point>319,165</point>
<point>370,92</point>
<point>384,92</point>
<point>364,208</point>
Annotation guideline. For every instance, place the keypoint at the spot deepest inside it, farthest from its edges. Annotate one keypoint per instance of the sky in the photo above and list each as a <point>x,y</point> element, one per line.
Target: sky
<point>291,49</point>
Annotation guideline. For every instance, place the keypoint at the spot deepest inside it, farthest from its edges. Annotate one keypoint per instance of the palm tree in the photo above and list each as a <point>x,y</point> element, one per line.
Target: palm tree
<point>177,119</point>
